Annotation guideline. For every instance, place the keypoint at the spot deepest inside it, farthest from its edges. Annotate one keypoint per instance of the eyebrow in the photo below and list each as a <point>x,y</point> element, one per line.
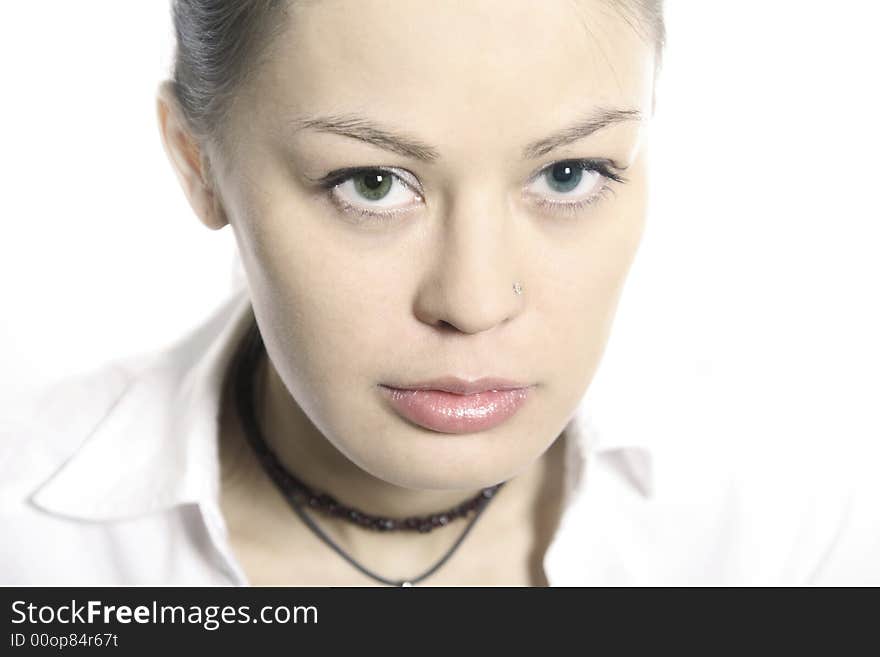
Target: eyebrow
<point>365,129</point>
<point>586,126</point>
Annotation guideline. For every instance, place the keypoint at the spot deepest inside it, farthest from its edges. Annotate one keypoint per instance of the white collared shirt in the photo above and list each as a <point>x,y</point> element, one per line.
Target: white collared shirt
<point>113,478</point>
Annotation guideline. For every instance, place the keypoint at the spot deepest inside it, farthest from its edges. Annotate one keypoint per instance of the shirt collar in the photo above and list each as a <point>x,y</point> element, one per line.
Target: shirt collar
<point>157,446</point>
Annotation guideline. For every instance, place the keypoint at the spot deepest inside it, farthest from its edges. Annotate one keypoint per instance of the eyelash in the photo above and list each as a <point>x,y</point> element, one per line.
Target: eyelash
<point>605,168</point>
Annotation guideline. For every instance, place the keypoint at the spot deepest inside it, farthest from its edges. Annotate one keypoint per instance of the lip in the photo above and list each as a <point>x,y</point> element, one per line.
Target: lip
<point>463,386</point>
<point>432,405</point>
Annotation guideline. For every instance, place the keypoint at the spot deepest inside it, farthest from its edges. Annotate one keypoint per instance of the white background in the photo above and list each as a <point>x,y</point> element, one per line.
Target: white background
<point>751,312</point>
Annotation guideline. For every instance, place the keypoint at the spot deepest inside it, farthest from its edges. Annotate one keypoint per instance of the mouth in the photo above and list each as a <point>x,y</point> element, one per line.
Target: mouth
<point>452,405</point>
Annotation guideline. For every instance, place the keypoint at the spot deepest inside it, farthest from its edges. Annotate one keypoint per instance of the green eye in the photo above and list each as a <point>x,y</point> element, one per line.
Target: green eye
<point>563,176</point>
<point>372,185</point>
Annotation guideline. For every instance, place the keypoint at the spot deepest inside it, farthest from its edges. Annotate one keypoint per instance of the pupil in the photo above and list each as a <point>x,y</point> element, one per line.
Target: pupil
<point>373,180</point>
<point>564,177</point>
<point>563,172</point>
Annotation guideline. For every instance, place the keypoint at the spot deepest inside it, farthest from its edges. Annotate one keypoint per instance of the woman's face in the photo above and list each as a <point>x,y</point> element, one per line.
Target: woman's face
<point>410,276</point>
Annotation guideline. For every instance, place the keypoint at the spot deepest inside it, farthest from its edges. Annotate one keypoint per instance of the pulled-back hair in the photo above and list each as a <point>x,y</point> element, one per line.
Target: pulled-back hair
<point>220,42</point>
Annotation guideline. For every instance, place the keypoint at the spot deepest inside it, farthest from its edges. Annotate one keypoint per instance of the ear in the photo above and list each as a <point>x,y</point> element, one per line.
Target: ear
<point>188,159</point>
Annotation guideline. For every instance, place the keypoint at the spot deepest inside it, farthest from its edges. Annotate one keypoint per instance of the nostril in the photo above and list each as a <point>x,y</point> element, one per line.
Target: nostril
<point>446,327</point>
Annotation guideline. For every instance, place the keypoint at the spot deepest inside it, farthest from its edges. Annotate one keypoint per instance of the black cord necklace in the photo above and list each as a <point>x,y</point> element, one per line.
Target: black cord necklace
<point>296,491</point>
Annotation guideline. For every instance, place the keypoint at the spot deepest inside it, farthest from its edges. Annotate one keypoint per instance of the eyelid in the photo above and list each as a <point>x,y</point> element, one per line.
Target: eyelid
<point>603,166</point>
<point>375,215</point>
<point>341,175</point>
<point>608,172</point>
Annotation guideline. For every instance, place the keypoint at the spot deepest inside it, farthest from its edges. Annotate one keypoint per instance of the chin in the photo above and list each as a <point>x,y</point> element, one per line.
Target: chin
<point>423,460</point>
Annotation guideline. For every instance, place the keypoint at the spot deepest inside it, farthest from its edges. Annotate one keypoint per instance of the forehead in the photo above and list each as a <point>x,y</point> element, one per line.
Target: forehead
<point>491,66</point>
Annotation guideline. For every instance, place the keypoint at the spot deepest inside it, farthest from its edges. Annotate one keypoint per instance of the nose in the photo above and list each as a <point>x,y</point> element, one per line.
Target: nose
<point>469,284</point>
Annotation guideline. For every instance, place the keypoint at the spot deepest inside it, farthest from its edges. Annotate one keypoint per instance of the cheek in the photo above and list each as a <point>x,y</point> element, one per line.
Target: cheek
<point>582,289</point>
<point>328,306</point>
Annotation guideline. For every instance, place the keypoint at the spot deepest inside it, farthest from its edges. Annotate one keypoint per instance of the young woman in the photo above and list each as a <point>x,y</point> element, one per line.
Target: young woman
<point>436,205</point>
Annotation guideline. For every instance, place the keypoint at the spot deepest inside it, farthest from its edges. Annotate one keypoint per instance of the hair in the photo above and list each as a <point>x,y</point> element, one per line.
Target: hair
<point>219,43</point>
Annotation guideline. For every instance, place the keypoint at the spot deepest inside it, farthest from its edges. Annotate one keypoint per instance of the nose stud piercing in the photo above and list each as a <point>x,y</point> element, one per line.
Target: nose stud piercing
<point>517,288</point>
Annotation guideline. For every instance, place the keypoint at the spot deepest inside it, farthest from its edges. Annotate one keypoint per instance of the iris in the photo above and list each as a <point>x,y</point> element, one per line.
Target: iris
<point>563,176</point>
<point>372,185</point>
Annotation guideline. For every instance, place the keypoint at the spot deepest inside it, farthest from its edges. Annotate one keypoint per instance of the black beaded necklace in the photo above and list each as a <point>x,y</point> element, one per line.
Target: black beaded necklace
<point>296,491</point>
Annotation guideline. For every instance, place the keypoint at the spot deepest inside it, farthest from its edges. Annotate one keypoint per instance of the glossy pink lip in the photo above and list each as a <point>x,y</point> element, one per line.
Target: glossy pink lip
<point>455,412</point>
